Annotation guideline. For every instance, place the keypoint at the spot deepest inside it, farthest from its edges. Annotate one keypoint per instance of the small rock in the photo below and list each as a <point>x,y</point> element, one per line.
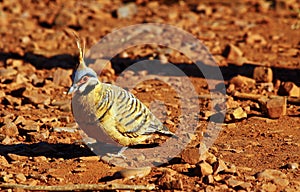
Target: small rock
<point>263,74</point>
<point>7,177</point>
<point>20,120</point>
<point>65,108</point>
<point>35,97</point>
<point>231,168</point>
<point>140,157</point>
<point>14,62</point>
<point>234,55</point>
<point>65,119</point>
<point>5,73</point>
<point>218,178</point>
<point>39,159</point>
<point>79,170</point>
<point>30,127</point>
<point>64,129</point>
<point>61,77</point>
<point>90,158</point>
<point>3,161</point>
<point>168,181</point>
<point>252,39</point>
<point>274,107</point>
<point>209,157</point>
<point>242,81</point>
<point>9,129</point>
<point>10,100</point>
<point>219,166</point>
<point>38,136</point>
<point>203,169</point>
<point>127,11</point>
<point>60,102</point>
<point>291,166</point>
<point>135,172</point>
<point>235,114</point>
<point>66,18</point>
<point>35,80</point>
<point>273,175</point>
<point>14,157</point>
<point>269,187</point>
<point>208,179</point>
<point>20,177</point>
<point>232,182</point>
<point>290,89</point>
<point>191,155</point>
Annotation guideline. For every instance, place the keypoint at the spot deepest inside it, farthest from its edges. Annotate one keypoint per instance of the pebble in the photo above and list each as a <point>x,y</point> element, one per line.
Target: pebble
<point>273,175</point>
<point>5,73</point>
<point>64,129</point>
<point>3,161</point>
<point>291,166</point>
<point>209,158</point>
<point>234,54</point>
<point>191,155</point>
<point>135,172</point>
<point>39,159</point>
<point>9,129</point>
<point>62,77</point>
<point>219,166</point>
<point>203,169</point>
<point>32,127</point>
<point>232,182</point>
<point>263,74</point>
<point>79,170</point>
<point>35,97</point>
<point>20,177</point>
<point>242,81</point>
<point>15,157</point>
<point>127,11</point>
<point>89,158</point>
<point>235,114</point>
<point>273,107</point>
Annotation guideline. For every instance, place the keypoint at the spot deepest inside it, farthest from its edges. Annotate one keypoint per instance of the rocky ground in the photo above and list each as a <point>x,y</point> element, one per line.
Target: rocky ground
<point>256,44</point>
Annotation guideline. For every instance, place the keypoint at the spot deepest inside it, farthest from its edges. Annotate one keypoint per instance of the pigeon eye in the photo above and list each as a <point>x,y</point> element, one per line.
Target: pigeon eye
<point>85,78</point>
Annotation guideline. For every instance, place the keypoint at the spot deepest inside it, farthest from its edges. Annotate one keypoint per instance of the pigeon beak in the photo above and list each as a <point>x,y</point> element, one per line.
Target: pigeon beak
<point>73,89</point>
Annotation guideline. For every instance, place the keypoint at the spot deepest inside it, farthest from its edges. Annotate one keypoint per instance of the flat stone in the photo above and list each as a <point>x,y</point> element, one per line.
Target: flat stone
<point>32,127</point>
<point>135,172</point>
<point>15,157</point>
<point>232,182</point>
<point>35,97</point>
<point>90,158</point>
<point>191,155</point>
<point>270,174</point>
